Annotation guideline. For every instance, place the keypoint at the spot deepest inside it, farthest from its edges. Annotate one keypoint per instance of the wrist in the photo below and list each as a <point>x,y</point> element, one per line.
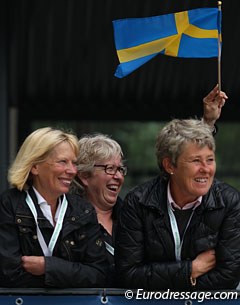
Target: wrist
<point>211,125</point>
<point>194,273</point>
<point>193,281</point>
<point>209,122</point>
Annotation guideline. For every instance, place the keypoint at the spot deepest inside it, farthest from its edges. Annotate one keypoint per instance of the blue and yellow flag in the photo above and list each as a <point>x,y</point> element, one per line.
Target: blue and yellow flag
<point>192,33</point>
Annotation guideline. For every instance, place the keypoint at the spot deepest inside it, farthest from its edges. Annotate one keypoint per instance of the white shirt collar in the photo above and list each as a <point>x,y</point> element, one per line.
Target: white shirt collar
<point>190,205</point>
<point>45,207</point>
<point>40,198</point>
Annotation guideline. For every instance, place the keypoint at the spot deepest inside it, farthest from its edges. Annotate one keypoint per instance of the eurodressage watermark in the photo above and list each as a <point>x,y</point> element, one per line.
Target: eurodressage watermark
<point>198,296</point>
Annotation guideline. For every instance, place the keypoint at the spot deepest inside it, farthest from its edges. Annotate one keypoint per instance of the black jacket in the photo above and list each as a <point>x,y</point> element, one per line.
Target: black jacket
<point>79,257</point>
<point>144,250</point>
<point>110,239</point>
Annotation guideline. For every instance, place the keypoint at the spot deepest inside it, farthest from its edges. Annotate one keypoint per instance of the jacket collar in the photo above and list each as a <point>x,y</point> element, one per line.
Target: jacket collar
<point>155,196</point>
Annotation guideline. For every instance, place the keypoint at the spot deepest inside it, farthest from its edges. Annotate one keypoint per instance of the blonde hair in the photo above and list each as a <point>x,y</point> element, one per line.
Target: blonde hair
<point>35,149</point>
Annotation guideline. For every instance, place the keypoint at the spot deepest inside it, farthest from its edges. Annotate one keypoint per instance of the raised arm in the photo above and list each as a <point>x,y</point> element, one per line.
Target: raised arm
<point>212,105</point>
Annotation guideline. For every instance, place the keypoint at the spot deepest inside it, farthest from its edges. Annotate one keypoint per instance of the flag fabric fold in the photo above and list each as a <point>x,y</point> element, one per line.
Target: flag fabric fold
<point>192,34</point>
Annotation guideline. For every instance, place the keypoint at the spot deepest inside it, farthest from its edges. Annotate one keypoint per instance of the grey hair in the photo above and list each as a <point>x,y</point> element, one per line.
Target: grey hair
<point>175,134</point>
<point>94,148</point>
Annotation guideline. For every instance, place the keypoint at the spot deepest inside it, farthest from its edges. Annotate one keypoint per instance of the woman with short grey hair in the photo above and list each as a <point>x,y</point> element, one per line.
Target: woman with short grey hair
<point>172,138</point>
<point>180,230</point>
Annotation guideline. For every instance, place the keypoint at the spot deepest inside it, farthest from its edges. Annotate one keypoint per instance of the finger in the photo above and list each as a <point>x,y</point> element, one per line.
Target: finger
<point>211,251</point>
<point>221,104</point>
<point>220,99</point>
<point>223,95</point>
<point>212,95</point>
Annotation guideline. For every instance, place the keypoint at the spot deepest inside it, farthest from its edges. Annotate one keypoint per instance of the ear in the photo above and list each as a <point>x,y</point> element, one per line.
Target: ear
<point>34,170</point>
<point>167,164</point>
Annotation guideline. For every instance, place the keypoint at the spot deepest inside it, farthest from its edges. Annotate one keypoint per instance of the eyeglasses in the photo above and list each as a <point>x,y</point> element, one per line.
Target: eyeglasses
<point>112,169</point>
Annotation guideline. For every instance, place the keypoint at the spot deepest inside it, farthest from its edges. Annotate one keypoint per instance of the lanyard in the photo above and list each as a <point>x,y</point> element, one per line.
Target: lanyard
<point>178,243</point>
<point>109,248</point>
<point>48,250</point>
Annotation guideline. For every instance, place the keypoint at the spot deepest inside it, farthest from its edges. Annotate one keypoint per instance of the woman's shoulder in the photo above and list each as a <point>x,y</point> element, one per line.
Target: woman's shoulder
<point>224,187</point>
<point>226,191</point>
<point>78,202</point>
<point>146,187</point>
<point>12,194</point>
<point>11,199</point>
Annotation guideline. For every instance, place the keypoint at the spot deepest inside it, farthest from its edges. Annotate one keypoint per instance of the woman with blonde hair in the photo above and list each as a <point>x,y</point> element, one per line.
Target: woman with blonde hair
<point>52,237</point>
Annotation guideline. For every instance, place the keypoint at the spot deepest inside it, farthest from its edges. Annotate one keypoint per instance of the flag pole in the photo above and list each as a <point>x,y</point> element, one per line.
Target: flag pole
<point>219,45</point>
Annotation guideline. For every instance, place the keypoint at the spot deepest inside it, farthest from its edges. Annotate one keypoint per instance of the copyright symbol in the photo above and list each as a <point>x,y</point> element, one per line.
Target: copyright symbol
<point>128,294</point>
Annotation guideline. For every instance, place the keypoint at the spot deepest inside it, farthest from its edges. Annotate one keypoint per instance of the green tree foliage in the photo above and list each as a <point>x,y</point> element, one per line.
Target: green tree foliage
<point>137,140</point>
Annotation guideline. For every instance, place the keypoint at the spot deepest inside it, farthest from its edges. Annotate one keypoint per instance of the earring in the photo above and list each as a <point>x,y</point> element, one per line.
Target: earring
<point>171,173</point>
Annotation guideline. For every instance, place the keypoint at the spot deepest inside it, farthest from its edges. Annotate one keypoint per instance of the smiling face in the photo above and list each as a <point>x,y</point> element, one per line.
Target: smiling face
<point>193,175</point>
<point>103,189</point>
<point>53,177</point>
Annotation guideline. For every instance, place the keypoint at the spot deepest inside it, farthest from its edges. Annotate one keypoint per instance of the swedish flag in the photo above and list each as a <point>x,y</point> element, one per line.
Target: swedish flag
<point>192,33</point>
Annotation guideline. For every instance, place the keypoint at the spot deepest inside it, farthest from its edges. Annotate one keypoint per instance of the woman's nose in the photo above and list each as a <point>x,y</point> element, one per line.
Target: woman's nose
<point>71,168</point>
<point>118,175</point>
<point>204,167</point>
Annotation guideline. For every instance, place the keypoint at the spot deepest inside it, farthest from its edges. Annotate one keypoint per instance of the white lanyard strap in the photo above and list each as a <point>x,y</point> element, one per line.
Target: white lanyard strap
<point>48,250</point>
<point>177,241</point>
<point>109,248</point>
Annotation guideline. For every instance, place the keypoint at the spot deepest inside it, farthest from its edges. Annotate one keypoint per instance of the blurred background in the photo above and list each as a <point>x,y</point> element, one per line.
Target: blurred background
<point>57,68</point>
